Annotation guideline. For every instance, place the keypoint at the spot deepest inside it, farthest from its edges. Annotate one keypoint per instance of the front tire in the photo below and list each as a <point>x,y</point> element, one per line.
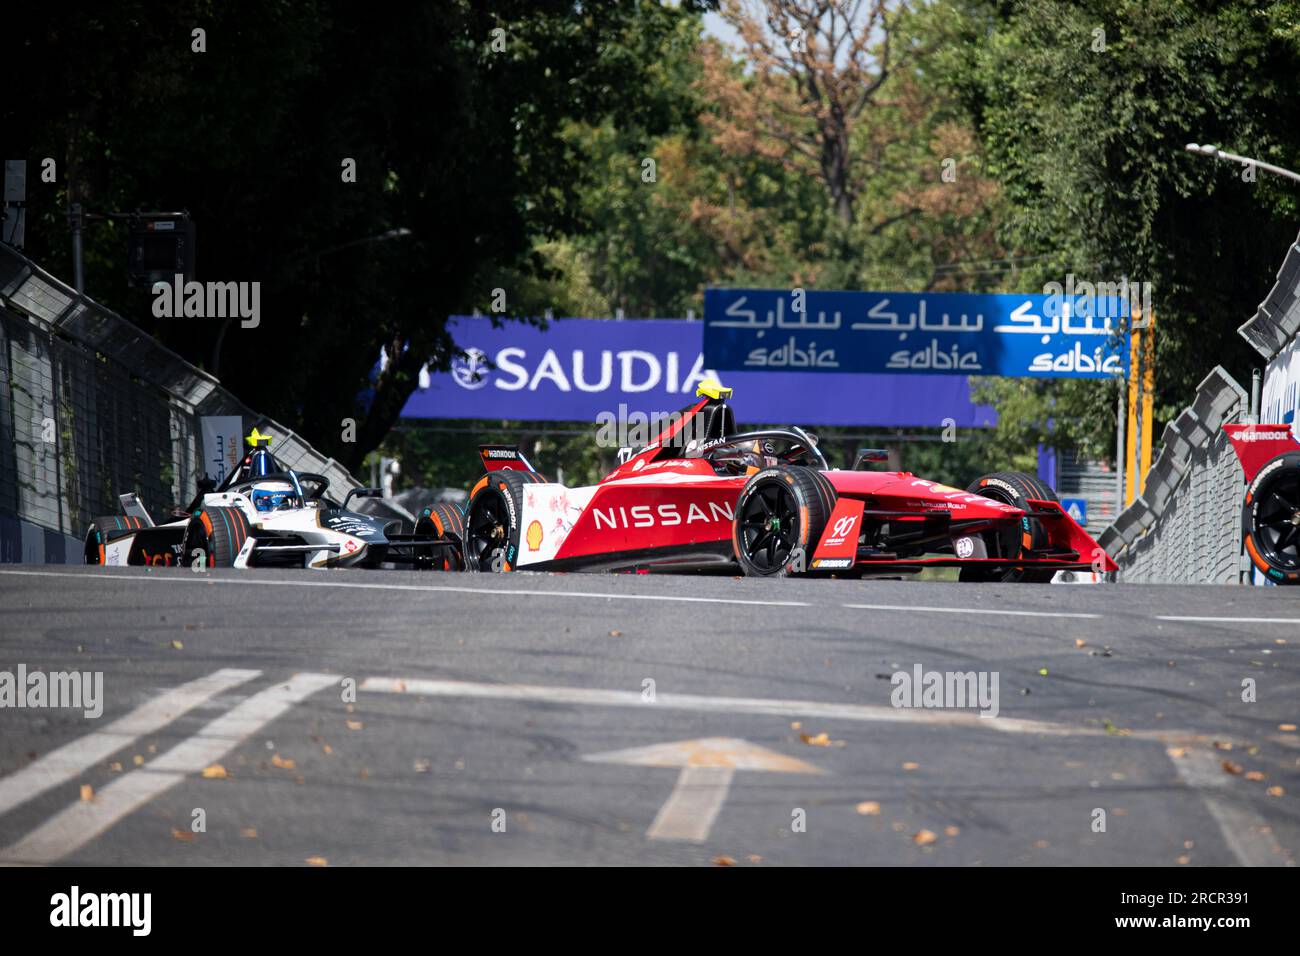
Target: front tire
<point>492,520</point>
<point>215,535</point>
<point>1270,519</point>
<point>1013,488</point>
<point>781,512</point>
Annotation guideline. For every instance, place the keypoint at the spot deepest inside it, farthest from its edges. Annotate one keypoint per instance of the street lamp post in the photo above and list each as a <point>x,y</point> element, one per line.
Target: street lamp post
<point>1215,153</point>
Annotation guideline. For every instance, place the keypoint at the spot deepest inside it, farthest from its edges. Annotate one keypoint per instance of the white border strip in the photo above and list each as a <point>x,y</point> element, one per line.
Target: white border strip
<point>1232,620</point>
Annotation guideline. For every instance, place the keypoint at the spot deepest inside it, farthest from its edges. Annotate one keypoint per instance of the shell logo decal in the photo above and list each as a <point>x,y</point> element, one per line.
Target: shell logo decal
<point>534,535</point>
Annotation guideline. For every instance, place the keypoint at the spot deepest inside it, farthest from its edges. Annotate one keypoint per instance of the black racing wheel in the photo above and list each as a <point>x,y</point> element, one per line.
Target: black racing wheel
<point>1013,488</point>
<point>781,512</point>
<point>1270,519</point>
<point>492,519</point>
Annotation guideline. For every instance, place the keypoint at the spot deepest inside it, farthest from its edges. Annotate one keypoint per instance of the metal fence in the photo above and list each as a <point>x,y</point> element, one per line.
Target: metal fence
<point>1186,525</point>
<point>92,407</point>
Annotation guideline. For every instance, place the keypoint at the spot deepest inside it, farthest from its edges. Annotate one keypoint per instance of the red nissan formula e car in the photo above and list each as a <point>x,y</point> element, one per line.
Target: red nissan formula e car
<point>705,495</point>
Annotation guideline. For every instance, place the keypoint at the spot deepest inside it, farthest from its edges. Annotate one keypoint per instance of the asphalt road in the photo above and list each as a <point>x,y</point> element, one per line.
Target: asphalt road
<point>480,700</point>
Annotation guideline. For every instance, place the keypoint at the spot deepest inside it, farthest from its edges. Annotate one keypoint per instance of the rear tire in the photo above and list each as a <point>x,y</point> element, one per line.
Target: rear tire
<point>1270,519</point>
<point>216,533</point>
<point>443,520</point>
<point>781,511</point>
<point>105,529</point>
<point>492,520</point>
<point>1013,488</point>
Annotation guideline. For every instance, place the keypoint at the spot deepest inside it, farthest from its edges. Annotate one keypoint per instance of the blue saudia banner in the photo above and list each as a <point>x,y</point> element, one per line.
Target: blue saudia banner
<point>577,369</point>
<point>906,333</point>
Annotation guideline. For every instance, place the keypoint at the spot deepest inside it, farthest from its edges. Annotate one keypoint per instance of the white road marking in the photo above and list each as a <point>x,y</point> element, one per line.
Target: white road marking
<point>61,765</point>
<point>967,610</point>
<point>694,804</point>
<point>178,578</point>
<point>1232,620</point>
<point>1248,837</point>
<point>81,822</point>
<point>724,705</point>
<point>707,767</point>
<point>199,578</point>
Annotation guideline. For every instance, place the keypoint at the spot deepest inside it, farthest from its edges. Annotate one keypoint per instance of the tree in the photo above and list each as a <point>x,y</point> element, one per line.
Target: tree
<point>815,66</point>
<point>454,113</point>
<point>1083,110</point>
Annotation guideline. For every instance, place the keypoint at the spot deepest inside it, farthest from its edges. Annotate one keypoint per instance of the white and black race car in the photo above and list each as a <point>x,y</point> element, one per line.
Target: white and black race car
<point>265,515</point>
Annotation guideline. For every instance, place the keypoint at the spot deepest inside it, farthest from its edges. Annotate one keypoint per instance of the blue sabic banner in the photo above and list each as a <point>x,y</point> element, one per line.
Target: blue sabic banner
<point>941,333</point>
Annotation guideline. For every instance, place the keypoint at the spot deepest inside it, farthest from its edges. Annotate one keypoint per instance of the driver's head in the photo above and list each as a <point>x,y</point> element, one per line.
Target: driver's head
<point>754,457</point>
<point>274,496</point>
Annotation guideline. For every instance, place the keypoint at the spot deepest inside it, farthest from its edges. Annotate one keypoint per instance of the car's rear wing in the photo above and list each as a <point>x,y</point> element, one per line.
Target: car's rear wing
<point>133,507</point>
<point>504,458</point>
<point>1256,445</point>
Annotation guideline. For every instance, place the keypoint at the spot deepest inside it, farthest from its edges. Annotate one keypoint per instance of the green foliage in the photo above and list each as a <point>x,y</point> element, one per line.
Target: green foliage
<point>463,145</point>
<point>1087,145</point>
<point>525,169</point>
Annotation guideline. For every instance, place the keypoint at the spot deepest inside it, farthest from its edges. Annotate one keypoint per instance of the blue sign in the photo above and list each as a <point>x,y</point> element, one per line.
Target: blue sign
<point>1047,336</point>
<point>577,369</point>
<point>1076,508</point>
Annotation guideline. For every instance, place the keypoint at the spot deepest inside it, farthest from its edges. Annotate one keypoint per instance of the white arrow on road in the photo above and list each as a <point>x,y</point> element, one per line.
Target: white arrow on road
<point>707,767</point>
